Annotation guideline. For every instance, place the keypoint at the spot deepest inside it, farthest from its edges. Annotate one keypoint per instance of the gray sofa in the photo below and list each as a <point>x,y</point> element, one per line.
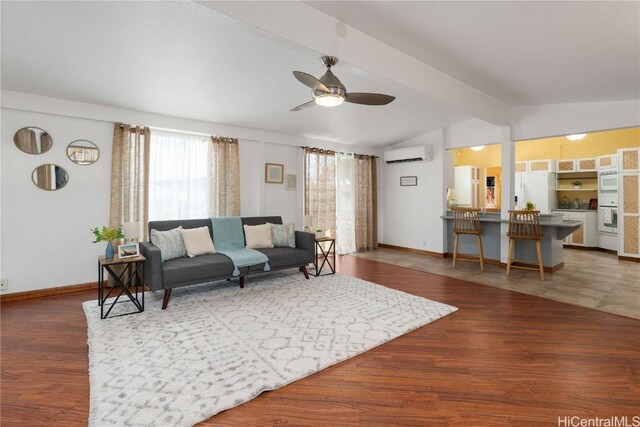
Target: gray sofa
<point>185,271</point>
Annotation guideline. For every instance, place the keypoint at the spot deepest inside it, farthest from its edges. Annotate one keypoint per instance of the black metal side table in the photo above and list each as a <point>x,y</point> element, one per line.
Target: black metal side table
<point>130,276</point>
<point>328,256</point>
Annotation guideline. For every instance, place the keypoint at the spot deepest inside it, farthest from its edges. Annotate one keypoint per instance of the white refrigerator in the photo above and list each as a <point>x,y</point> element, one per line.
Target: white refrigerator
<point>538,188</point>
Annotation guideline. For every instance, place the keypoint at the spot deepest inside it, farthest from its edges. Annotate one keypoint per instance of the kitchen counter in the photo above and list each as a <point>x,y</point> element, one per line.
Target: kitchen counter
<point>554,230</point>
<point>576,210</point>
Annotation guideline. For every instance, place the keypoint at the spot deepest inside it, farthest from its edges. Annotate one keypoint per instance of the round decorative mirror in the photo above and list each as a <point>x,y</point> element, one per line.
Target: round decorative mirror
<point>33,140</point>
<point>50,177</point>
<point>83,152</point>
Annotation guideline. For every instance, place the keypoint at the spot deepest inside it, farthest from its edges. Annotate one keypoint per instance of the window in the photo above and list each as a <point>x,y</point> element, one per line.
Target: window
<point>179,175</point>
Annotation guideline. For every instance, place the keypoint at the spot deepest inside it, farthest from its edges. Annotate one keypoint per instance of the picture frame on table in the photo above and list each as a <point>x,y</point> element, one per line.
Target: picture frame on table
<point>128,250</point>
<point>273,173</point>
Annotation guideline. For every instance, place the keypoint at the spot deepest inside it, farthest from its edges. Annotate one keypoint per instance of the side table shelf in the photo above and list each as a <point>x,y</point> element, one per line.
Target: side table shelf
<point>131,275</point>
<point>328,256</point>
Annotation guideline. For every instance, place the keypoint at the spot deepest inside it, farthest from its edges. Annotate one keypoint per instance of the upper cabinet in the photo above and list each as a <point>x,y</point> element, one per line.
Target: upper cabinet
<point>542,165</point>
<point>628,160</point>
<point>607,162</point>
<point>586,165</point>
<point>547,165</point>
<point>566,166</point>
<point>522,167</point>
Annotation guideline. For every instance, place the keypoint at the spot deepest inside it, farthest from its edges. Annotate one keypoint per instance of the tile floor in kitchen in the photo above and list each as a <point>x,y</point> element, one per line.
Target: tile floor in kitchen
<point>590,279</point>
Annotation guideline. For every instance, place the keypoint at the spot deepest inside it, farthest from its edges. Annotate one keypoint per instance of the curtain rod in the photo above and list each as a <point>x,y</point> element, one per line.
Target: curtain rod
<point>338,152</point>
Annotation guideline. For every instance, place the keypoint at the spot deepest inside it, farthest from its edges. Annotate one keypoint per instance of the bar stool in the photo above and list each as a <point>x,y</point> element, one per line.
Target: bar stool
<point>466,221</point>
<point>525,225</point>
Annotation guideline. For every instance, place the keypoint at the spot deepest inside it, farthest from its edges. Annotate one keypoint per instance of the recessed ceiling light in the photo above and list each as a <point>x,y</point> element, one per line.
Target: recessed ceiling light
<point>477,148</point>
<point>576,136</point>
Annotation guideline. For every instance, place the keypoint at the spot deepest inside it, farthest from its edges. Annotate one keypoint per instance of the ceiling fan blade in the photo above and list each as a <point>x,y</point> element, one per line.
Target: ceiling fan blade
<point>369,98</point>
<point>304,106</point>
<point>310,81</point>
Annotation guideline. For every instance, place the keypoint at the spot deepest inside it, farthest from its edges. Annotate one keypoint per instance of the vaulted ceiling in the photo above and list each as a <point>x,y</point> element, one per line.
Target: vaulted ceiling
<point>444,61</point>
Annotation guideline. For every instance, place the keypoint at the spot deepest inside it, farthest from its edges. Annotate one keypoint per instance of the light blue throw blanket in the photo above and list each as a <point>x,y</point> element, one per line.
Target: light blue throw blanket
<point>228,237</point>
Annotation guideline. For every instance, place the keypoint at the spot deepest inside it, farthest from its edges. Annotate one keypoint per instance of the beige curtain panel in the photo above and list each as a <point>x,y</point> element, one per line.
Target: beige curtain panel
<point>224,184</point>
<point>320,187</point>
<point>130,176</point>
<point>366,203</point>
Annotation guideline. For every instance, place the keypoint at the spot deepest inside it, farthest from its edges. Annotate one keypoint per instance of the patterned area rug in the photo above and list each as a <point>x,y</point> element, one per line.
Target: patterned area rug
<point>218,346</point>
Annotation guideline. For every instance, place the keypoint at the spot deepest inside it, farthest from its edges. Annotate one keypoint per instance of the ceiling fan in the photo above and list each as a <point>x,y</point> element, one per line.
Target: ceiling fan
<point>328,91</point>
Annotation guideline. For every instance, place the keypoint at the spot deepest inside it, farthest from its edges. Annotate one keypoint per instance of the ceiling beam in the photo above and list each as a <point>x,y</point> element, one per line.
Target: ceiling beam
<point>298,23</point>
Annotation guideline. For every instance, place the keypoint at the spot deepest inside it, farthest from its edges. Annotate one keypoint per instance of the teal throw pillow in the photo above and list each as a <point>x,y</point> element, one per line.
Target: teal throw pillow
<point>283,236</point>
<point>170,243</point>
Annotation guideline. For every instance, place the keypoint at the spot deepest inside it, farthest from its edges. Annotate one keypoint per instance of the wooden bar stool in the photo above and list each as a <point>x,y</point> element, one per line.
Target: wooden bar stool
<point>525,225</point>
<point>466,221</point>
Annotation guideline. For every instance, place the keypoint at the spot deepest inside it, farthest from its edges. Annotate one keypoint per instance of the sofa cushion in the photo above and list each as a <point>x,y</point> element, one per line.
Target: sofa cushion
<point>202,268</point>
<point>170,243</point>
<point>258,236</point>
<point>286,257</point>
<point>197,241</point>
<point>283,236</point>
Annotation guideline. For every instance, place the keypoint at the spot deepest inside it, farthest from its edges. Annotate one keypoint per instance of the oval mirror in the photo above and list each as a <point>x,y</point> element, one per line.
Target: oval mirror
<point>50,177</point>
<point>83,152</point>
<point>33,140</point>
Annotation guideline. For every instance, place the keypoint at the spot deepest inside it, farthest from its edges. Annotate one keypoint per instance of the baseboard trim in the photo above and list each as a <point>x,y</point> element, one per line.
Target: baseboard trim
<point>39,293</point>
<point>628,258</point>
<point>411,250</point>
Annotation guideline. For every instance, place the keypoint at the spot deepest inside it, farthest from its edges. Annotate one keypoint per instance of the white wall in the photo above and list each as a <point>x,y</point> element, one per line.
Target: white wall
<point>44,236</point>
<point>412,214</point>
<point>470,133</point>
<point>541,121</point>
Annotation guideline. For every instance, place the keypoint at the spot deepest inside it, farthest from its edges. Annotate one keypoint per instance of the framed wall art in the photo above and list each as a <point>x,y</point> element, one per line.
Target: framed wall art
<point>273,173</point>
<point>291,182</point>
<point>408,181</point>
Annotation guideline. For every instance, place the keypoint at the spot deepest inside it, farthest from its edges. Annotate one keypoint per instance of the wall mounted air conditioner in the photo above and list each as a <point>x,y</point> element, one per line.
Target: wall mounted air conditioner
<point>408,154</point>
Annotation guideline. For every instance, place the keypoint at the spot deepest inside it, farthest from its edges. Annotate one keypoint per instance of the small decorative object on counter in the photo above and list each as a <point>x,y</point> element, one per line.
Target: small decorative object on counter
<point>320,233</point>
<point>108,234</point>
<point>530,206</point>
<point>576,184</point>
<point>450,199</point>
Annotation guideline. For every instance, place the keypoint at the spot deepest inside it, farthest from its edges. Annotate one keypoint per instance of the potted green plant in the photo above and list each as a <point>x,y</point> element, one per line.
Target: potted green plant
<point>576,184</point>
<point>108,234</point>
<point>529,206</point>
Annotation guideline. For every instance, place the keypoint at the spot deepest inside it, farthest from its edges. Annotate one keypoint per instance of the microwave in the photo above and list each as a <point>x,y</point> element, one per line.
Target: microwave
<point>608,182</point>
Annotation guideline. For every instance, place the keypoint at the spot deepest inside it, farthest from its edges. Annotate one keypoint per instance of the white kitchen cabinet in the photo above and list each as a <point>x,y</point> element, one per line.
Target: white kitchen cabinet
<point>587,164</point>
<point>629,202</point>
<point>607,162</point>
<point>522,167</point>
<point>587,234</point>
<point>547,165</point>
<point>567,165</point>
<point>467,186</point>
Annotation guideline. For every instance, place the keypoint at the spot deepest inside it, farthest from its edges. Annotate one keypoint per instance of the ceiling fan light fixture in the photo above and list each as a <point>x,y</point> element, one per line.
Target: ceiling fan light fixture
<point>477,147</point>
<point>576,136</point>
<point>329,100</point>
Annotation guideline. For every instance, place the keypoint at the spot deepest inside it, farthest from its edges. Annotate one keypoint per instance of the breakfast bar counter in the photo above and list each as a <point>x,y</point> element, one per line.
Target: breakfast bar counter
<point>554,230</point>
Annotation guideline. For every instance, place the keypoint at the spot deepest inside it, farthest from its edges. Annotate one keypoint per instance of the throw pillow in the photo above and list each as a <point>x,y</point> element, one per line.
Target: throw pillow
<point>283,236</point>
<point>170,243</point>
<point>197,241</point>
<point>258,236</point>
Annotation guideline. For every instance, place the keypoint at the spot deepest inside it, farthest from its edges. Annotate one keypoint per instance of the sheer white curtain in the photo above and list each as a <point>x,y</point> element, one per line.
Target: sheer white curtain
<point>345,204</point>
<point>179,175</point>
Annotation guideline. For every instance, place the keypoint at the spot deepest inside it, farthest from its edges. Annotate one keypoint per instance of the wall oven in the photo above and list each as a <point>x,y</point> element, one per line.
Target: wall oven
<point>608,181</point>
<point>608,213</point>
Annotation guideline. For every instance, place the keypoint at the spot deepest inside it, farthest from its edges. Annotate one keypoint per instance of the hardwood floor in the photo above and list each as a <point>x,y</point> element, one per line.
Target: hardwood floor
<point>503,359</point>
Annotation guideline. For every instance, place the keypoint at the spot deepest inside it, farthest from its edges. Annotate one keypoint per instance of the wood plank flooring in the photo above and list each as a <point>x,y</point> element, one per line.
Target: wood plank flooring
<point>504,359</point>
